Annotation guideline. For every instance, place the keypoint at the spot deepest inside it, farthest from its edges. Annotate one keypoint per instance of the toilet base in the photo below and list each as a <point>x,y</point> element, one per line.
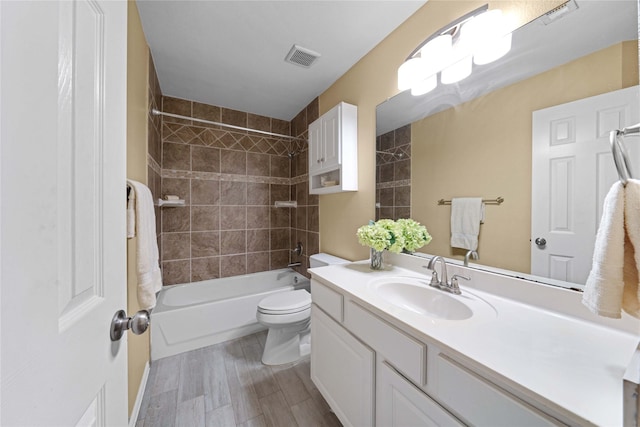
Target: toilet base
<point>288,344</point>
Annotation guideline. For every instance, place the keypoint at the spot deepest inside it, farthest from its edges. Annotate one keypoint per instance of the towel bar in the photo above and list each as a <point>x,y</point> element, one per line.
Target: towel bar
<point>496,201</point>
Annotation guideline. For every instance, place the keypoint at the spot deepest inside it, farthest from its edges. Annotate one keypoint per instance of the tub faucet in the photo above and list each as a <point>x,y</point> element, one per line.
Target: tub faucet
<point>470,254</point>
<point>294,264</point>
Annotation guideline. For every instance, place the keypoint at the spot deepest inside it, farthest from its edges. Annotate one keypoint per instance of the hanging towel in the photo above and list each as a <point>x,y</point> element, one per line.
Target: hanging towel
<point>148,268</point>
<point>466,215</point>
<point>131,212</point>
<point>612,284</point>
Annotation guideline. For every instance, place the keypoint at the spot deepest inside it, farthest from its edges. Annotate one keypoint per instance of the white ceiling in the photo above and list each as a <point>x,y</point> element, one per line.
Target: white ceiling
<point>231,53</point>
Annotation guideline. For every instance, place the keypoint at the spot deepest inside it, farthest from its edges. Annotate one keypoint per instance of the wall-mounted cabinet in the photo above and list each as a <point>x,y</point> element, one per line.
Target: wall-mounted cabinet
<point>333,151</point>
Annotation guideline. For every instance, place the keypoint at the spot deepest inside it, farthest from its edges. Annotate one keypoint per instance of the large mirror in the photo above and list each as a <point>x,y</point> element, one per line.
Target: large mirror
<point>475,139</point>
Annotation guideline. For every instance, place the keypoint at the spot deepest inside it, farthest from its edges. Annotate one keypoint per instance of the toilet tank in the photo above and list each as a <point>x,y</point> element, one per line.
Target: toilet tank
<point>322,259</point>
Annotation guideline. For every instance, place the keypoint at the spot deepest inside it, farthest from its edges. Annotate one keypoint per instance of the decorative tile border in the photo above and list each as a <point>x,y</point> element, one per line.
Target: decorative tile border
<point>180,174</point>
<point>393,184</point>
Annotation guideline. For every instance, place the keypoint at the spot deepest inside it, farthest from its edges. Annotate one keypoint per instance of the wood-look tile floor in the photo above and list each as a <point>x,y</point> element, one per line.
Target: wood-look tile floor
<point>227,385</point>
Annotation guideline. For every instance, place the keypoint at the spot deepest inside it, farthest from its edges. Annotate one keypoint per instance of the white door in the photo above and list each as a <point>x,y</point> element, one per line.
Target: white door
<point>62,212</point>
<point>572,172</point>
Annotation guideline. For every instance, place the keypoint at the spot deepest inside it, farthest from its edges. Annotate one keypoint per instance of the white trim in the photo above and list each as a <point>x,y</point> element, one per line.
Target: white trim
<point>133,419</point>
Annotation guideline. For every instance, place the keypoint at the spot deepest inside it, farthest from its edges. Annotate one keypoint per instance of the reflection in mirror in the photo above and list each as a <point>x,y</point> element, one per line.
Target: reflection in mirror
<point>474,138</point>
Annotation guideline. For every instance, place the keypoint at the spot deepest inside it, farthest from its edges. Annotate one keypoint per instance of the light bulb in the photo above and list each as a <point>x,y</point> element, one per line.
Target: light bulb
<point>486,36</point>
<point>425,85</point>
<point>410,72</point>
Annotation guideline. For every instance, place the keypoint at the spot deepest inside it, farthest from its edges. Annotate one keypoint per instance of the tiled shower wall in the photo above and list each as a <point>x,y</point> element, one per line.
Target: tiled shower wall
<point>154,172</point>
<point>230,181</point>
<point>393,174</point>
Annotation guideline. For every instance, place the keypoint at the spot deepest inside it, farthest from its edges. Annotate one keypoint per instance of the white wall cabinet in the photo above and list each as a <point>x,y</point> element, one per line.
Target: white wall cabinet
<point>333,151</point>
<point>415,383</point>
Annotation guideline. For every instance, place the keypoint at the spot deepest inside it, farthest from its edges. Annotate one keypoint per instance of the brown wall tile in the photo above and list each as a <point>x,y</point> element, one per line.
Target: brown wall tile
<point>258,217</point>
<point>233,193</point>
<point>257,193</point>
<point>280,126</point>
<point>176,246</point>
<point>402,196</point>
<point>205,218</point>
<point>206,112</point>
<point>234,117</point>
<point>402,212</point>
<point>279,192</point>
<point>205,244</point>
<point>205,268</point>
<point>280,166</point>
<point>176,187</point>
<point>233,242</point>
<point>176,106</point>
<point>205,192</point>
<point>301,217</point>
<point>257,261</point>
<point>257,240</point>
<point>279,259</point>
<point>258,164</point>
<point>386,196</point>
<point>279,238</point>
<point>175,219</point>
<point>262,123</point>
<point>280,217</point>
<point>313,218</point>
<point>176,156</point>
<point>313,243</point>
<point>402,170</point>
<point>205,159</point>
<point>233,218</point>
<point>233,265</point>
<point>403,136</point>
<point>233,162</point>
<point>175,272</point>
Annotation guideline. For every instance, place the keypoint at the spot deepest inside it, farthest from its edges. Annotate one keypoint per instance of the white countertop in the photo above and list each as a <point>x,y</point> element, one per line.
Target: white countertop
<point>572,366</point>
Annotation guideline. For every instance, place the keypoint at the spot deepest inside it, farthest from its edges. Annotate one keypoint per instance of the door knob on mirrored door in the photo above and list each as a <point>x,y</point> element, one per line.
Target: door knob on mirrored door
<point>120,323</point>
<point>540,241</point>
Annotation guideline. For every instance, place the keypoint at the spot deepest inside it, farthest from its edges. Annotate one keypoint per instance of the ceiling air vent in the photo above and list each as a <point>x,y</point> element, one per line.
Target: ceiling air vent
<point>301,56</point>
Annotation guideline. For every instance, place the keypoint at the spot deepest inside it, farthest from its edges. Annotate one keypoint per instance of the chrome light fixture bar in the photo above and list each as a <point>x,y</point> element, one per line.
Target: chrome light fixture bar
<point>479,37</point>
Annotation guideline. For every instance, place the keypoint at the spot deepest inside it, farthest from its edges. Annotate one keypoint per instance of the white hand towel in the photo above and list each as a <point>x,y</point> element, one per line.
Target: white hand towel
<point>131,212</point>
<point>148,268</point>
<point>466,215</point>
<point>612,284</point>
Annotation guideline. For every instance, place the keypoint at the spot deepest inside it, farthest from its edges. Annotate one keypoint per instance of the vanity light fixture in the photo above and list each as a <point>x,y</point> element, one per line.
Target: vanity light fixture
<point>478,37</point>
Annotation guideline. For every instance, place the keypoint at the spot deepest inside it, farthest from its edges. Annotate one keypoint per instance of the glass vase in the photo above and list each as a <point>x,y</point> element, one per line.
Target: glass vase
<point>376,259</point>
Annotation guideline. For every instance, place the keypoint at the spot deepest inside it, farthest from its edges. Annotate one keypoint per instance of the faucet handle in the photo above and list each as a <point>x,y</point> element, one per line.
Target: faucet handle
<point>435,281</point>
<point>453,286</point>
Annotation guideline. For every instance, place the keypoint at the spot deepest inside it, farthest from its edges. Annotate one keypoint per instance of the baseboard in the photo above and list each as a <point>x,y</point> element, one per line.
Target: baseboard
<point>138,404</point>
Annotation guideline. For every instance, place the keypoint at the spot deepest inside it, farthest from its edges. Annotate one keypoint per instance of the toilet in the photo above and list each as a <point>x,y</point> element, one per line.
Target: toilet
<point>288,317</point>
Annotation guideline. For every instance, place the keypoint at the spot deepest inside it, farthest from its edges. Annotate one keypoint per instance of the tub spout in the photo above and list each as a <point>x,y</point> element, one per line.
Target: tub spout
<point>294,264</point>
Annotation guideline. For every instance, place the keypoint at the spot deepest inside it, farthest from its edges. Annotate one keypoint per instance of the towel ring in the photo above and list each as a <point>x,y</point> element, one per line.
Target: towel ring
<point>620,157</point>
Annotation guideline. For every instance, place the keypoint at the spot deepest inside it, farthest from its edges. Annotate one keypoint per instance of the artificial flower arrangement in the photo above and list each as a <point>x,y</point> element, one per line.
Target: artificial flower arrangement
<point>394,236</point>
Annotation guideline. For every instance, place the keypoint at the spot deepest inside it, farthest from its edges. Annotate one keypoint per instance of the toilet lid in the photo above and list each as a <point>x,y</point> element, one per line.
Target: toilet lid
<point>286,301</point>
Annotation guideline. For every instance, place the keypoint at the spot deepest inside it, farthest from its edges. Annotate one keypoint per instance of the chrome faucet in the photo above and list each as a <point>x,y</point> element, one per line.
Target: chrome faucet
<point>444,284</point>
<point>470,254</point>
<point>435,282</point>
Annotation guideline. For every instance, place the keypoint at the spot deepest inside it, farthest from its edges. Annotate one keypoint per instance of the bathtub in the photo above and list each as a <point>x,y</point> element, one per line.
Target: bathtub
<point>195,315</point>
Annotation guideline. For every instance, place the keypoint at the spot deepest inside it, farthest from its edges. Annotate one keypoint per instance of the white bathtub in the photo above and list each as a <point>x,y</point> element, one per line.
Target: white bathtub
<point>200,314</point>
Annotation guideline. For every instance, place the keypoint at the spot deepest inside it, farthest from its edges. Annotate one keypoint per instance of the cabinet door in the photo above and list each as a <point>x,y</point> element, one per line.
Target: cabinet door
<point>343,370</point>
<point>331,122</point>
<point>400,404</point>
<point>315,145</point>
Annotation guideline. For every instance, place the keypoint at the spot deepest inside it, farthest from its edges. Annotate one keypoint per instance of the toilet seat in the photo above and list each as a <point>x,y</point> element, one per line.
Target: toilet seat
<point>285,303</point>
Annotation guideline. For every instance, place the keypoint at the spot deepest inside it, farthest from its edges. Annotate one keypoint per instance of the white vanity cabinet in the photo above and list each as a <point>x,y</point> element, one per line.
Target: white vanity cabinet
<point>333,157</point>
<point>399,403</point>
<point>343,370</point>
<point>416,384</point>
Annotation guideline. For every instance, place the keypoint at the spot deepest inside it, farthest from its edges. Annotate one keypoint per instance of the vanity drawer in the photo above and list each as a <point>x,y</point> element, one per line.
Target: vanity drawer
<point>404,352</point>
<point>481,403</point>
<point>327,299</point>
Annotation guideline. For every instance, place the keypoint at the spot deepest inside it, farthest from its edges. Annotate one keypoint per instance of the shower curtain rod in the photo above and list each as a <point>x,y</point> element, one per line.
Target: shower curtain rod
<point>178,116</point>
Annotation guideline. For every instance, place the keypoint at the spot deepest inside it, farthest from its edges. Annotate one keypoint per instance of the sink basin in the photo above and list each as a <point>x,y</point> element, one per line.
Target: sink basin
<point>416,296</point>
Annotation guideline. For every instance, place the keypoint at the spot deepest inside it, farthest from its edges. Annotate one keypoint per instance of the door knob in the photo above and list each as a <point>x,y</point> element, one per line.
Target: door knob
<point>120,323</point>
<point>541,242</point>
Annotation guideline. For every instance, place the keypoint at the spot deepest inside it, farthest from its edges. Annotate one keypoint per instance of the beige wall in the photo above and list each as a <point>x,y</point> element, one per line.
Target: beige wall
<point>368,83</point>
<point>137,76</point>
<point>483,148</point>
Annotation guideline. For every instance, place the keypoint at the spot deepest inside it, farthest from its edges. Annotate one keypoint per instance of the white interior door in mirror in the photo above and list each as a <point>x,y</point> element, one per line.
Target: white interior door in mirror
<point>63,196</point>
<point>573,169</point>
